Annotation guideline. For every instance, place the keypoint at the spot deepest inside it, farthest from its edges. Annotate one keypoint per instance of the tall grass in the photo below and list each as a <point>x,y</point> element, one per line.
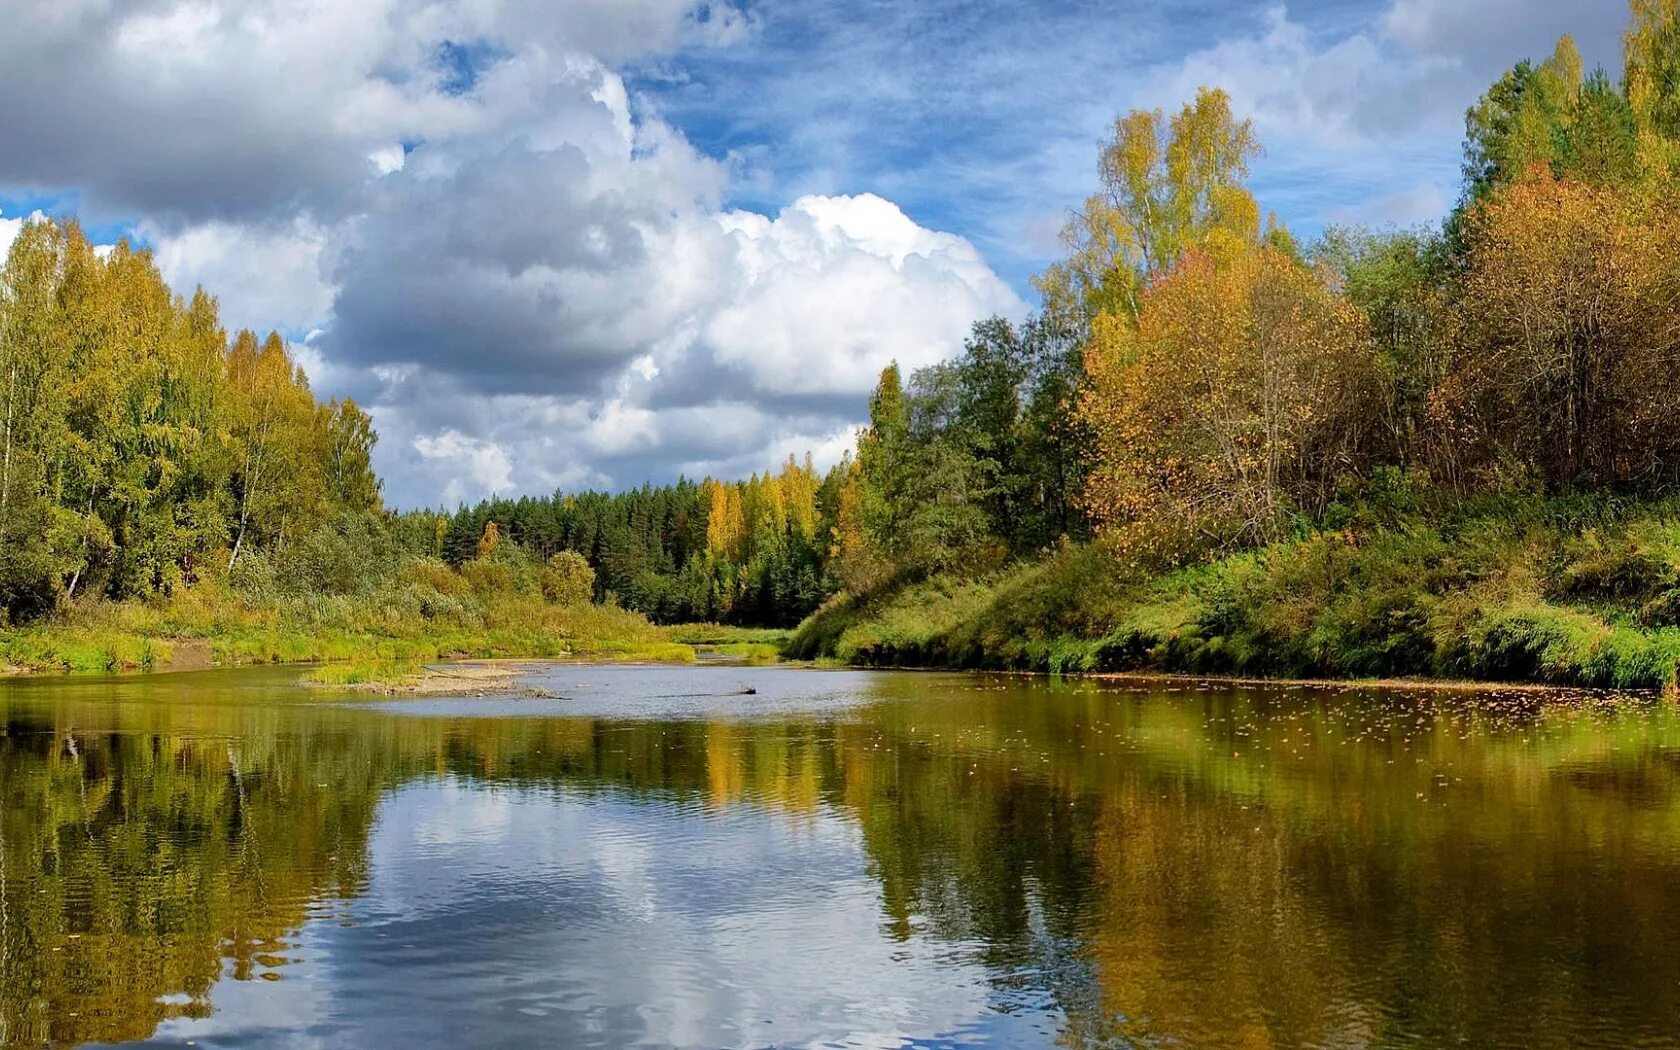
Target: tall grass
<point>1570,591</point>
<point>426,612</point>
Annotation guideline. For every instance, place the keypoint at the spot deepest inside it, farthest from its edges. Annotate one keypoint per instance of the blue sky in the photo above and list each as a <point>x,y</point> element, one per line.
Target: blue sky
<point>573,243</point>
<point>983,118</point>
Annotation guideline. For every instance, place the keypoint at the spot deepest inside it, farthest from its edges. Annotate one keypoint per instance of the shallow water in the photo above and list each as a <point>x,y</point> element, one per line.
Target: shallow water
<point>840,859</point>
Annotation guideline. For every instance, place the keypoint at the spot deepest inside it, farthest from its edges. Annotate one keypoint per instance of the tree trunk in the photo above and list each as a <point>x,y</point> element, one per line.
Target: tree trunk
<point>238,542</point>
<point>6,470</point>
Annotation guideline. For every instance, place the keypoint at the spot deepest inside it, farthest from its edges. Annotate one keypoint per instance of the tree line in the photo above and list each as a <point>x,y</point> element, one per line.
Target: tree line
<point>750,551</point>
<point>973,462</point>
<point>1196,379</point>
<point>142,447</point>
<point>1232,385</point>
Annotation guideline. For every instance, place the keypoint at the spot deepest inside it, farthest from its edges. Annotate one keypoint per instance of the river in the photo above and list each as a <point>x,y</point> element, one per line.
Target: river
<point>653,858</point>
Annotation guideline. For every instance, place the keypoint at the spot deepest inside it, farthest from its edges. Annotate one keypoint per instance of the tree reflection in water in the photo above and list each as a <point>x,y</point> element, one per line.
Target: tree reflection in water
<point>1130,866</point>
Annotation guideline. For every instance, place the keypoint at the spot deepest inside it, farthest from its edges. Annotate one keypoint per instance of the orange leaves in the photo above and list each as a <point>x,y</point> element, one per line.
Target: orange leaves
<point>1569,329</point>
<point>1240,391</point>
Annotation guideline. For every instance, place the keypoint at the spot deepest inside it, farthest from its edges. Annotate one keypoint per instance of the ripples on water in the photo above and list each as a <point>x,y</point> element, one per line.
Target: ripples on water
<point>841,859</point>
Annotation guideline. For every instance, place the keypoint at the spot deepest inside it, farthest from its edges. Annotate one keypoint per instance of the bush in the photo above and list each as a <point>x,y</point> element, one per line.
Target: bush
<point>567,579</point>
<point>1572,591</point>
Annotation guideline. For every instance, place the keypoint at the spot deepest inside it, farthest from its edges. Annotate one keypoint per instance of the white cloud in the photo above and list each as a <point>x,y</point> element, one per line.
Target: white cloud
<point>468,465</point>
<point>1409,207</point>
<point>264,276</point>
<point>576,261</point>
<point>9,229</point>
<point>619,429</point>
<point>835,288</point>
<point>1492,34</point>
<point>387,159</point>
<point>186,110</point>
<point>1342,92</point>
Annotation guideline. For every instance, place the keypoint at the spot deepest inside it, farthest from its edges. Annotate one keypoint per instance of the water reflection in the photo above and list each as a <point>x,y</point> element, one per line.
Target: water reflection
<point>868,860</point>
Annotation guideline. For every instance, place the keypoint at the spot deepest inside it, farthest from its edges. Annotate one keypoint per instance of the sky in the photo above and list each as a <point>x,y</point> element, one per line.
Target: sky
<point>591,243</point>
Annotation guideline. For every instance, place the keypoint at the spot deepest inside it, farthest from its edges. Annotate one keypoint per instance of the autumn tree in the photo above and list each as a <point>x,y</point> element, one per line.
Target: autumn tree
<point>32,355</point>
<point>1244,388</point>
<point>1517,126</point>
<point>1166,185</point>
<point>488,541</point>
<point>1401,281</point>
<point>725,524</point>
<point>856,562</point>
<point>1550,120</point>
<point>135,441</point>
<point>1651,80</point>
<point>280,480</point>
<point>568,579</point>
<point>798,483</point>
<point>1569,337</point>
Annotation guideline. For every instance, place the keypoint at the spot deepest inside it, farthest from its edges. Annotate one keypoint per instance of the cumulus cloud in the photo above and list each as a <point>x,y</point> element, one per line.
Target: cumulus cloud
<point>601,319</point>
<point>484,462</point>
<point>265,276</point>
<point>232,108</point>
<point>528,276</point>
<point>509,251</point>
<point>835,288</point>
<point>9,229</point>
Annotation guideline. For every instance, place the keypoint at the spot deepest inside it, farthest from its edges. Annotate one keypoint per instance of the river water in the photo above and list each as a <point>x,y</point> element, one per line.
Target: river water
<point>227,859</point>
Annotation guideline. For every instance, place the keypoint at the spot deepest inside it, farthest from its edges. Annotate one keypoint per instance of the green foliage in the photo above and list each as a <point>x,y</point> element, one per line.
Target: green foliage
<point>352,588</point>
<point>567,579</point>
<point>980,459</point>
<point>721,635</point>
<point>351,482</point>
<point>653,549</point>
<point>137,443</point>
<point>362,672</point>
<point>1561,591</point>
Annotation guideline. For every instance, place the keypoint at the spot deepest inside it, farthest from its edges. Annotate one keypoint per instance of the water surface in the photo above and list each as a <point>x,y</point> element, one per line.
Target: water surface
<point>840,859</point>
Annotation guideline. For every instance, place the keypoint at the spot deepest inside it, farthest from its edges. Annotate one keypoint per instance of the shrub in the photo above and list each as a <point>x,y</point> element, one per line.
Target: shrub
<point>567,579</point>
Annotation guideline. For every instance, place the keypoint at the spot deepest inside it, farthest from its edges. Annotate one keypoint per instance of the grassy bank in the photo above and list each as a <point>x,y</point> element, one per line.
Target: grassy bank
<point>752,645</point>
<point>216,626</point>
<point>1558,592</point>
<point>357,590</point>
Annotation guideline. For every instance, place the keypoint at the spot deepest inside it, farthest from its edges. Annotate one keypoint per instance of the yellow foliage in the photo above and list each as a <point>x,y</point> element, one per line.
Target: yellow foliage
<point>488,542</point>
<point>1567,321</point>
<point>1241,391</point>
<point>1165,186</point>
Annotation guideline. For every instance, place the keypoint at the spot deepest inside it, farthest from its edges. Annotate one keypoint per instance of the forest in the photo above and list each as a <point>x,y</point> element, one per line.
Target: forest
<point>1215,447</point>
<point>1444,451</point>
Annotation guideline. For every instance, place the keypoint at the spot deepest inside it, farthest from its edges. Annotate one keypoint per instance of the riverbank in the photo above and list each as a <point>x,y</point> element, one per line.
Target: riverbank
<point>216,627</point>
<point>1543,592</point>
